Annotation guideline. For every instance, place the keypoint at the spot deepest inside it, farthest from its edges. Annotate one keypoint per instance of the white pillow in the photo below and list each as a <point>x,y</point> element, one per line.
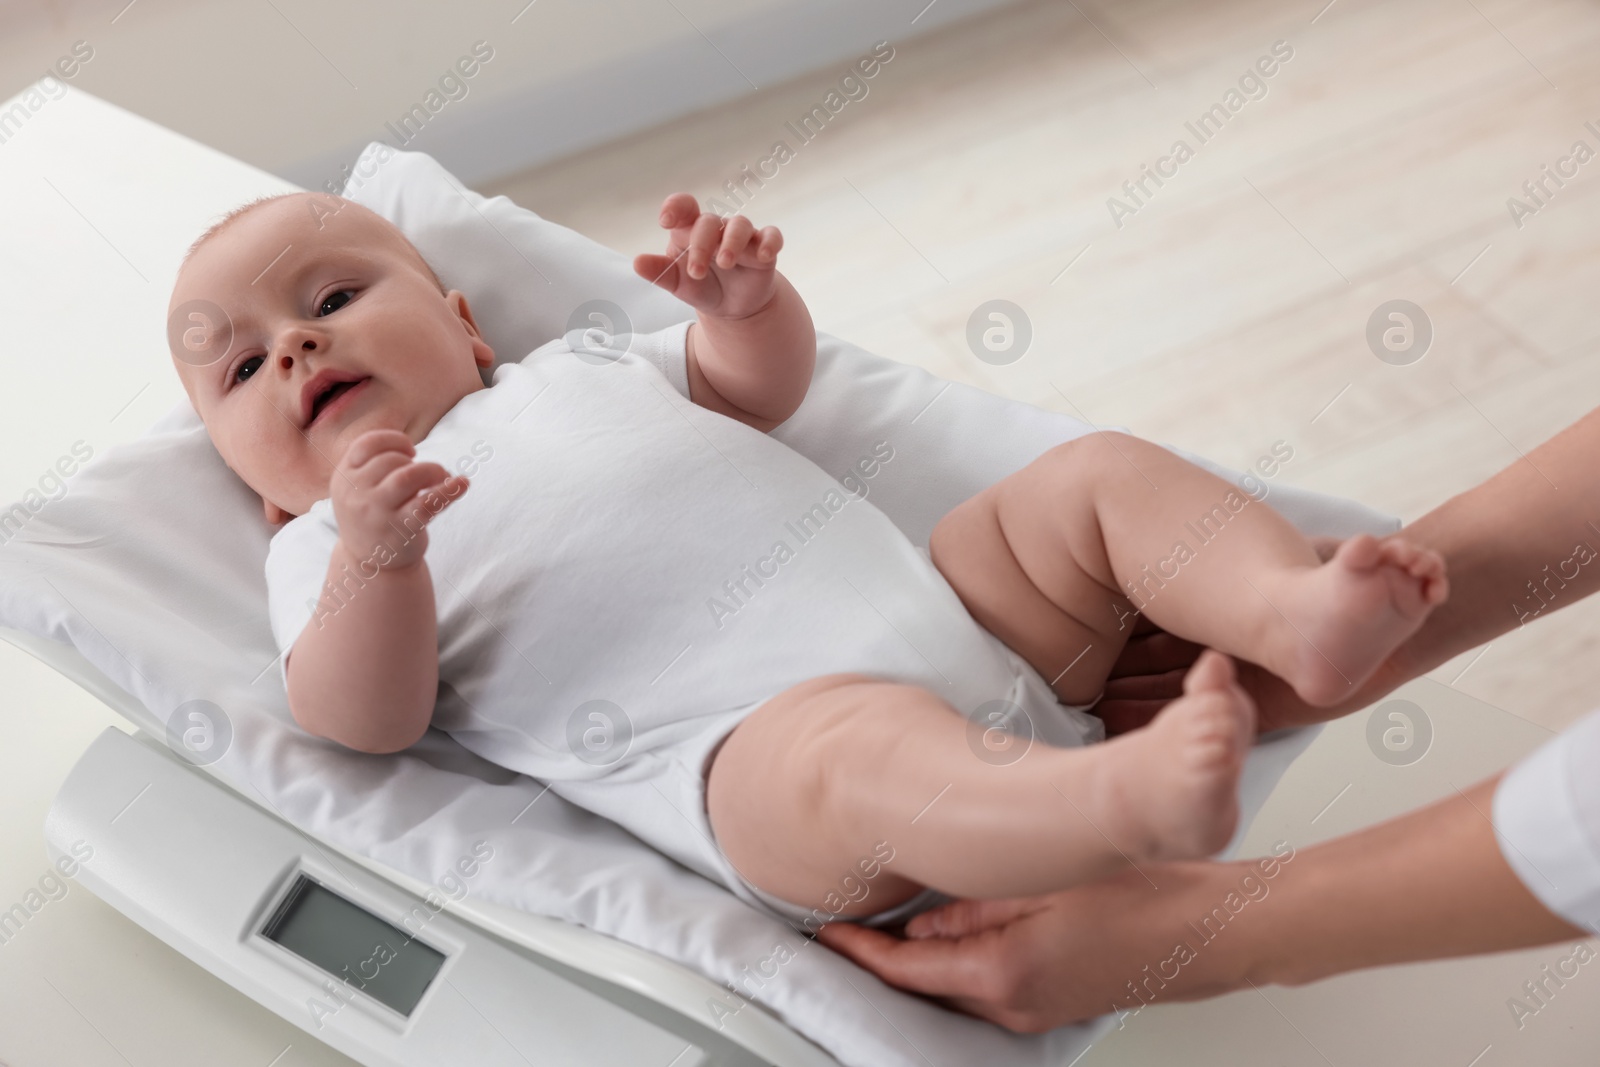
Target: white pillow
<point>527,279</point>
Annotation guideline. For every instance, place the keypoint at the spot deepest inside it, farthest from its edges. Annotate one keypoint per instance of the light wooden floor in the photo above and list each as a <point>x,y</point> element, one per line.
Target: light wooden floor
<point>1229,313</point>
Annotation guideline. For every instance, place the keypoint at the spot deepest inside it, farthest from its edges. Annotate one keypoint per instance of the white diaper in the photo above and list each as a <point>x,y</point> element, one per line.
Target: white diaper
<point>662,798</point>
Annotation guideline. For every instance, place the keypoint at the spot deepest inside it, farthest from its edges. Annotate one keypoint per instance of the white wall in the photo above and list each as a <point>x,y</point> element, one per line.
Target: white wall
<point>297,87</point>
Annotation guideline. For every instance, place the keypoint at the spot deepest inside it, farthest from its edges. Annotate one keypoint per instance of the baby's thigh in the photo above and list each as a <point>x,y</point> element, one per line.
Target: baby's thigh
<point>1024,557</point>
<point>783,790</point>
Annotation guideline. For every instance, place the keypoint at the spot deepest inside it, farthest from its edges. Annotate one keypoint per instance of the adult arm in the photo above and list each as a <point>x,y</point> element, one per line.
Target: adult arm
<point>1427,885</point>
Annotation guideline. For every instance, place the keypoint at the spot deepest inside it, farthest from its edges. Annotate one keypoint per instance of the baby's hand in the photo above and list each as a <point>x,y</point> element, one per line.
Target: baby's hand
<point>377,487</point>
<point>719,266</point>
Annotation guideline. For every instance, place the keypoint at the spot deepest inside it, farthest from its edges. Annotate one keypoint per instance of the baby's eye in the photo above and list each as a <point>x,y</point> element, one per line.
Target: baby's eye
<point>239,373</point>
<point>339,300</point>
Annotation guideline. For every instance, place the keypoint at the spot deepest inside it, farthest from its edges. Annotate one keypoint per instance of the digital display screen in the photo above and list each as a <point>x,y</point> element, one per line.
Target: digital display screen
<point>353,945</point>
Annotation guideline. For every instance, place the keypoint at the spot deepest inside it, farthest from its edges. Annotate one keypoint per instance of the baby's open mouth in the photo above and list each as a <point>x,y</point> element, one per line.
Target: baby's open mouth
<point>331,396</point>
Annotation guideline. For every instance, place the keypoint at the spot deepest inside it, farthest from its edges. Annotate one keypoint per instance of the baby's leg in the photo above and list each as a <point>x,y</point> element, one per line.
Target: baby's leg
<point>844,768</point>
<point>1063,554</point>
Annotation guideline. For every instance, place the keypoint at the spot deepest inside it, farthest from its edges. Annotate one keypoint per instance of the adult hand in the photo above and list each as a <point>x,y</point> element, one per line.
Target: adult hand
<point>1037,963</point>
<point>1034,964</point>
<point>1147,675</point>
<point>1429,884</point>
<point>1150,673</point>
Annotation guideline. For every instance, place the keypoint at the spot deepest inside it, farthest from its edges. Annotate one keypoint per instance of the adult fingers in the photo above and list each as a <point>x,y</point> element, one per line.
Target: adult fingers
<point>966,974</point>
<point>1168,685</point>
<point>1211,671</point>
<point>962,918</point>
<point>1121,716</point>
<point>1156,653</point>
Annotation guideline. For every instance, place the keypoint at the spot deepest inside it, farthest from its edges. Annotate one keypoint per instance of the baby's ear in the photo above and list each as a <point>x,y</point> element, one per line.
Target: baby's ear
<point>276,516</point>
<point>482,354</point>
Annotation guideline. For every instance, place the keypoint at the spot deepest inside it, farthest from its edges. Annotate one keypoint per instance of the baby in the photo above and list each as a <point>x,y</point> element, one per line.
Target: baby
<point>682,624</point>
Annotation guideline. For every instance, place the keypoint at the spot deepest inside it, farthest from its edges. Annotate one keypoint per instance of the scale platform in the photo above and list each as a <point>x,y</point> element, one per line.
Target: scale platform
<point>355,961</point>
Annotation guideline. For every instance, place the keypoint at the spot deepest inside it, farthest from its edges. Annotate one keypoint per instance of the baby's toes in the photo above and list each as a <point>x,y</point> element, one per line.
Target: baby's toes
<point>1408,576</point>
<point>1426,569</point>
<point>1408,594</point>
<point>1436,587</point>
<point>1428,565</point>
<point>1362,552</point>
<point>1212,672</point>
<point>1221,727</point>
<point>1211,732</point>
<point>1221,753</point>
<point>1398,553</point>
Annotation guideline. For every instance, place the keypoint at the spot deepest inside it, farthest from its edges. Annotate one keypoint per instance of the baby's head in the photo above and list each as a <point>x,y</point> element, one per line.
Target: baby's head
<point>314,288</point>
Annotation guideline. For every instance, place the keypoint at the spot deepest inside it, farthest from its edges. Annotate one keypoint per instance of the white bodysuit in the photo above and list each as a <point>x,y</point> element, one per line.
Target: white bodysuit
<point>628,575</point>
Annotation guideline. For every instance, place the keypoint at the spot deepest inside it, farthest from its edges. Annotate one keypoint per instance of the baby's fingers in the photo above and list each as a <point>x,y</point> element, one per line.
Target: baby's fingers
<point>433,500</point>
<point>376,443</point>
<point>371,472</point>
<point>762,249</point>
<point>658,270</point>
<point>679,209</point>
<point>768,245</point>
<point>702,244</point>
<point>400,490</point>
<point>735,236</point>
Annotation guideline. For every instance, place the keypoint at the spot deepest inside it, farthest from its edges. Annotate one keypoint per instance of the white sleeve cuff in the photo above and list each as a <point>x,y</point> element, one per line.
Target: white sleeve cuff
<point>668,349</point>
<point>1547,823</point>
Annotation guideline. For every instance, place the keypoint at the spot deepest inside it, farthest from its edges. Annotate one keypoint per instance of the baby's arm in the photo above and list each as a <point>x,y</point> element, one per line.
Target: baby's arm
<point>365,671</point>
<point>752,351</point>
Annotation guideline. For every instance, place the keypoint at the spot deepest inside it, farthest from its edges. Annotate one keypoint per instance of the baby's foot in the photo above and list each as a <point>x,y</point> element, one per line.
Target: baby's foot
<point>1350,613</point>
<point>1175,782</point>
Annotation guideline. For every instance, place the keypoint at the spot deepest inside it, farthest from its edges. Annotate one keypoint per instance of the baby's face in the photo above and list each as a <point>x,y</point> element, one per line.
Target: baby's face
<point>316,285</point>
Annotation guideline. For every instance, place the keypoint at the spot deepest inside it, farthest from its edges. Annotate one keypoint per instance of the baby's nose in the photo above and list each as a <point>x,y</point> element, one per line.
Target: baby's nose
<point>286,361</point>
